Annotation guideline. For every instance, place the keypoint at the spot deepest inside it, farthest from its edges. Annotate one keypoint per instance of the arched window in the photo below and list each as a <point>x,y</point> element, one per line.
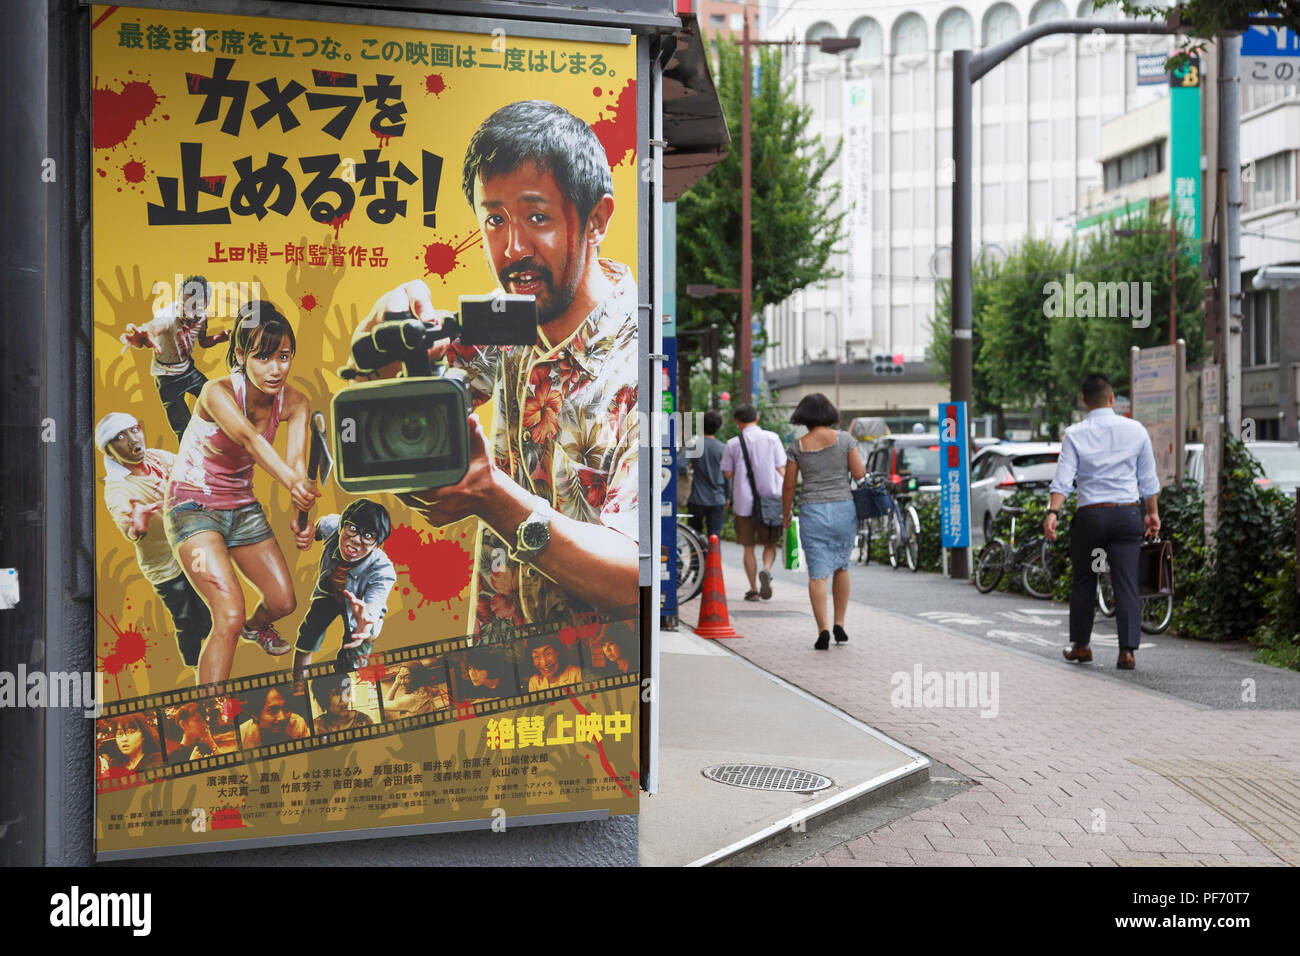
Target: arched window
<point>910,35</point>
<point>956,30</point>
<point>1002,22</point>
<point>1048,10</point>
<point>819,31</point>
<point>872,37</point>
<point>1088,11</point>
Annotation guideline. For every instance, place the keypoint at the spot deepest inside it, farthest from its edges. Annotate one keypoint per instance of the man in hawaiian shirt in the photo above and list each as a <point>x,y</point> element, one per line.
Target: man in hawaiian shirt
<point>558,494</point>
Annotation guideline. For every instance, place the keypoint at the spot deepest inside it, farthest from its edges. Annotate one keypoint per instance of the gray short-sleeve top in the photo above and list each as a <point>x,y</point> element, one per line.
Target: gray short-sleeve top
<point>825,472</point>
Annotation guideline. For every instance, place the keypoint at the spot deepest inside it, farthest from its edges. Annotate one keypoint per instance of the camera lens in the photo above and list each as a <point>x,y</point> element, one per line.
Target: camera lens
<point>402,434</point>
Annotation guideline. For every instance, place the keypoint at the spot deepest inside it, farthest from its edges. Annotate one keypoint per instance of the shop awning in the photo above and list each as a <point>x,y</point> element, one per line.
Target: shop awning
<point>694,127</point>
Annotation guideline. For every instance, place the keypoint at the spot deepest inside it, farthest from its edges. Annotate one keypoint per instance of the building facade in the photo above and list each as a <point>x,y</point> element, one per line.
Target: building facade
<point>1037,127</point>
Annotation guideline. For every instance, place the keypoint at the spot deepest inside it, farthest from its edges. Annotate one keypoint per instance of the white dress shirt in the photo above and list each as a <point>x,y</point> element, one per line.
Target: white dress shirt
<point>1108,458</point>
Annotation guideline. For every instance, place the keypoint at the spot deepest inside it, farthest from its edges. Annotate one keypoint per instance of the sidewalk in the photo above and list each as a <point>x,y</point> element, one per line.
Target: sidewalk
<point>717,709</point>
<point>1072,770</point>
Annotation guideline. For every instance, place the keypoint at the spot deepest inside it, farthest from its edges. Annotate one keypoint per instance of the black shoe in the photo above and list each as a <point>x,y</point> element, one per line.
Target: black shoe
<point>840,636</point>
<point>823,641</point>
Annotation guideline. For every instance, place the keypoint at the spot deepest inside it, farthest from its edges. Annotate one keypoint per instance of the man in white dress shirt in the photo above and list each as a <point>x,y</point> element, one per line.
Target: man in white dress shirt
<point>1109,459</point>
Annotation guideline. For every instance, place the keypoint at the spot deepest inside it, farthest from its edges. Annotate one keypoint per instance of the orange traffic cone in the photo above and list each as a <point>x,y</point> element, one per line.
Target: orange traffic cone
<point>714,621</point>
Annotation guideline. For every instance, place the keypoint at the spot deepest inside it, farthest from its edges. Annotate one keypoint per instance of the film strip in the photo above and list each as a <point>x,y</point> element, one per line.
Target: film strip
<point>269,715</point>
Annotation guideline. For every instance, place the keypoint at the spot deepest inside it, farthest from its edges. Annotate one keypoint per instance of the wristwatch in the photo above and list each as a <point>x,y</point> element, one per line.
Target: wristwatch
<point>1054,511</point>
<point>533,536</point>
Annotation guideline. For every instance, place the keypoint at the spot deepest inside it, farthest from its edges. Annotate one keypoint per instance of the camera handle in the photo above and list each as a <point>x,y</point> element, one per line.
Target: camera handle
<point>400,337</point>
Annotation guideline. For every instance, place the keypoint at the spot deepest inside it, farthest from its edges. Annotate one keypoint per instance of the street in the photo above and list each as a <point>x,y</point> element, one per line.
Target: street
<point>1172,763</point>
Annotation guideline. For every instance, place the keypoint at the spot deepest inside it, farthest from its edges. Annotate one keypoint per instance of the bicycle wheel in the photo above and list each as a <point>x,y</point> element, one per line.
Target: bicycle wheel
<point>894,537</point>
<point>1040,570</point>
<point>863,543</point>
<point>1105,594</point>
<point>691,557</point>
<point>989,565</point>
<point>1157,611</point>
<point>912,540</point>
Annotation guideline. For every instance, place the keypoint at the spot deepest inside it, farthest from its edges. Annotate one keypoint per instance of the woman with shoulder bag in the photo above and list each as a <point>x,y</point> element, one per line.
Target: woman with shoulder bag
<point>828,521</point>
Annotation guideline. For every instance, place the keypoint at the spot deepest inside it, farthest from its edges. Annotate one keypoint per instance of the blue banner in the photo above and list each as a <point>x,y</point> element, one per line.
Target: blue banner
<point>954,475</point>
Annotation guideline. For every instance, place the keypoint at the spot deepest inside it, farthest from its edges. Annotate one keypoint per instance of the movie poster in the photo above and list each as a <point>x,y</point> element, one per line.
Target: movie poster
<point>365,404</point>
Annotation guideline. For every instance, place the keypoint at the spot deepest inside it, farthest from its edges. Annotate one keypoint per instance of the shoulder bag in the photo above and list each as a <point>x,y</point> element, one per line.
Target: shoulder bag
<point>767,511</point>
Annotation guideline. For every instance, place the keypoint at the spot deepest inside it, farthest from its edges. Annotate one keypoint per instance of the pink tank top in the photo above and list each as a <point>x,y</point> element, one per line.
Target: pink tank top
<point>211,468</point>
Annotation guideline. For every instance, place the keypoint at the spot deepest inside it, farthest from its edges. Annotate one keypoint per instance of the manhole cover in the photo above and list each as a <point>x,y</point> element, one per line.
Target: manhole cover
<point>758,777</point>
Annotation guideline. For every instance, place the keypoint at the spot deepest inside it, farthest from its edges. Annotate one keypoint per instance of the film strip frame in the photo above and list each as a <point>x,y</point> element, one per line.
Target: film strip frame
<point>586,631</point>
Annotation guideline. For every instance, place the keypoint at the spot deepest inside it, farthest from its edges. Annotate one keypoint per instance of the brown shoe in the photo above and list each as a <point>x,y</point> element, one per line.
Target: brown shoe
<point>1126,661</point>
<point>1077,652</point>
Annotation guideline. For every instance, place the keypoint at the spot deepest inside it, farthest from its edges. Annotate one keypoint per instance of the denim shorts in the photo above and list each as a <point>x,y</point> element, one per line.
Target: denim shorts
<point>246,524</point>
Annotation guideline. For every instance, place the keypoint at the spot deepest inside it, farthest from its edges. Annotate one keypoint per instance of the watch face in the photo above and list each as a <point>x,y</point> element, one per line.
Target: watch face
<point>535,535</point>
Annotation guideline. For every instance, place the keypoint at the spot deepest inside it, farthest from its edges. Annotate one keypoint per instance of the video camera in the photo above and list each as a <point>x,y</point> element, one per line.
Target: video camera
<point>408,434</point>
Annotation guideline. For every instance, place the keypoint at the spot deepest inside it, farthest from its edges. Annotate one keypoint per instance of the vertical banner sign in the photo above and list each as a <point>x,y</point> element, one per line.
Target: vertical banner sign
<point>954,475</point>
<point>668,463</point>
<point>1212,437</point>
<point>1185,152</point>
<point>329,598</point>
<point>857,197</point>
<point>1154,403</point>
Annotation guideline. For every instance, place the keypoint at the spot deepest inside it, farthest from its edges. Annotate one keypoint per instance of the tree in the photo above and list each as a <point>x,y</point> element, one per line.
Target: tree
<point>794,229</point>
<point>939,351</point>
<point>1204,20</point>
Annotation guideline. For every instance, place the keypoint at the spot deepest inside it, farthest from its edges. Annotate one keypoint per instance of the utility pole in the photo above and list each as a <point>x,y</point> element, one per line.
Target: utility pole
<point>1230,255</point>
<point>746,356</point>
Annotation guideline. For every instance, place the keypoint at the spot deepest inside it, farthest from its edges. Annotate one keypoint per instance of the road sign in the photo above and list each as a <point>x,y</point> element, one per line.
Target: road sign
<point>1270,55</point>
<point>954,475</point>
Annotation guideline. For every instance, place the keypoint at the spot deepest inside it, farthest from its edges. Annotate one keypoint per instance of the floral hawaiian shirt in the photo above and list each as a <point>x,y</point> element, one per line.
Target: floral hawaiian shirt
<point>566,430</point>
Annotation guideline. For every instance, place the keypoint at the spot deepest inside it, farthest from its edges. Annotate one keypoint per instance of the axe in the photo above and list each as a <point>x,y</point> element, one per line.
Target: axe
<point>320,462</point>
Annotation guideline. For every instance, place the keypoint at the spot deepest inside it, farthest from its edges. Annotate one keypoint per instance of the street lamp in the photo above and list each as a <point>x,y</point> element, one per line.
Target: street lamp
<point>745,346</point>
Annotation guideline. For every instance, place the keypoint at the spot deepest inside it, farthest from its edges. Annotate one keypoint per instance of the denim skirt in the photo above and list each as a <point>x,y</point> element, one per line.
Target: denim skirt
<point>827,530</point>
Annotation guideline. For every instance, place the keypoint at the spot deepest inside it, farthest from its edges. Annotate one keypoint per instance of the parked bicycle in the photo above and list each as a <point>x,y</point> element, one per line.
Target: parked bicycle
<point>692,553</point>
<point>1038,562</point>
<point>1157,609</point>
<point>900,526</point>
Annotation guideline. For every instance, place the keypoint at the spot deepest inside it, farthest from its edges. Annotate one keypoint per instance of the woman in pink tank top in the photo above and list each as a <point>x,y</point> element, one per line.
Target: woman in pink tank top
<point>212,517</point>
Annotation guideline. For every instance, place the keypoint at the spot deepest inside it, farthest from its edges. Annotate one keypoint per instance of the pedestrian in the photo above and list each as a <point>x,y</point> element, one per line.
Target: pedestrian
<point>754,463</point>
<point>1109,460</point>
<point>710,489</point>
<point>828,521</point>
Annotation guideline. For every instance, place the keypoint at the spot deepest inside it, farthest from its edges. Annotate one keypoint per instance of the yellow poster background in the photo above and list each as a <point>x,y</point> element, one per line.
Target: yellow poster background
<point>144,64</point>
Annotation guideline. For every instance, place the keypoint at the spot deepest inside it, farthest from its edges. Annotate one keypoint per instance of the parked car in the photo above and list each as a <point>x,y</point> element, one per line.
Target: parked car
<point>911,461</point>
<point>1280,461</point>
<point>1000,470</point>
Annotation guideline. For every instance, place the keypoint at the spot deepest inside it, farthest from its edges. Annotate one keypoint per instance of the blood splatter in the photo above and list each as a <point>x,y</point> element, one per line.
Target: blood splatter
<point>373,673</point>
<point>337,223</point>
<point>227,818</point>
<point>117,113</point>
<point>382,137</point>
<point>440,258</point>
<point>597,92</point>
<point>307,302</point>
<point>439,570</point>
<point>215,184</point>
<point>328,77</point>
<point>194,79</point>
<point>618,133</point>
<point>102,172</point>
<point>230,709</point>
<point>435,84</point>
<point>128,650</point>
<point>134,171</point>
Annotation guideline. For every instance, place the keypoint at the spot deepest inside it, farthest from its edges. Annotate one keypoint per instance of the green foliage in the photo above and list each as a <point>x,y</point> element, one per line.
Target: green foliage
<point>794,229</point>
<point>1203,20</point>
<point>1029,353</point>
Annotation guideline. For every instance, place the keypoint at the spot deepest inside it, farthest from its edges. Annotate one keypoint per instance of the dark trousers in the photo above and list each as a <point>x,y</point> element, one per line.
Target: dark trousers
<point>190,616</point>
<point>172,389</point>
<point>707,515</point>
<point>311,634</point>
<point>1117,531</point>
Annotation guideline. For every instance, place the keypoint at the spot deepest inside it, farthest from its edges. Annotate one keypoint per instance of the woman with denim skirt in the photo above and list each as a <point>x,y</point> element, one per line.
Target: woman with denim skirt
<point>827,458</point>
<point>212,518</point>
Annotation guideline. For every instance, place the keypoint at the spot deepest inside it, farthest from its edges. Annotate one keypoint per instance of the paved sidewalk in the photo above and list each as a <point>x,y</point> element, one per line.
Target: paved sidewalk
<point>1072,770</point>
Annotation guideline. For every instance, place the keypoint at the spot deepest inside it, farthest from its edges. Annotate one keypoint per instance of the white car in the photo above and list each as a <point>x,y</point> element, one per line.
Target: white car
<point>1280,461</point>
<point>1000,470</point>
